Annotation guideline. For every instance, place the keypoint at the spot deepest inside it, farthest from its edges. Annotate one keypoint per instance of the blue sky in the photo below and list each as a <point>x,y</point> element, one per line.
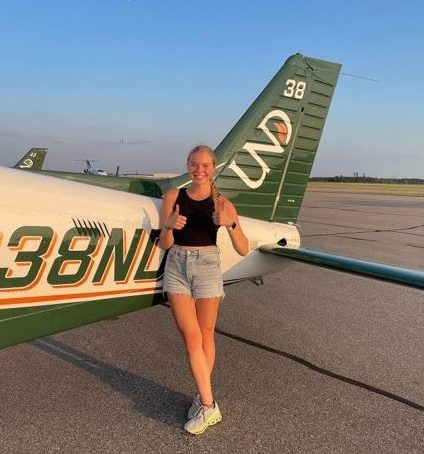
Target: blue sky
<point>78,76</point>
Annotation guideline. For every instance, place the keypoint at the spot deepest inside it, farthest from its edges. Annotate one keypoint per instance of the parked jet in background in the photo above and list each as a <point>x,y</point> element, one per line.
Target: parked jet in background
<point>92,170</point>
<point>33,160</point>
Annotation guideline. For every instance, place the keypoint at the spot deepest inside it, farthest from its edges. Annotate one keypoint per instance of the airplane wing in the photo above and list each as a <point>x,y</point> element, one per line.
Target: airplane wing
<point>398,275</point>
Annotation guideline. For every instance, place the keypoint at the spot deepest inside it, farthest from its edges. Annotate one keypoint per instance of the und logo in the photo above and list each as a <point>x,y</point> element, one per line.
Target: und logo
<point>284,132</point>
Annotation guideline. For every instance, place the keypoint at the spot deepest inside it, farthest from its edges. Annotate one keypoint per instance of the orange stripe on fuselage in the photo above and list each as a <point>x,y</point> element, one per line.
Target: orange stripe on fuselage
<point>38,299</point>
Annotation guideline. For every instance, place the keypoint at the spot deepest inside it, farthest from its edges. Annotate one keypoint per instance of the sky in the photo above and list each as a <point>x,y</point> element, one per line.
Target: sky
<point>137,84</point>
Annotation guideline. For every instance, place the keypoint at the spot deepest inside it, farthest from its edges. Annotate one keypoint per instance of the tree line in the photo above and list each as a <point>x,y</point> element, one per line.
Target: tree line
<point>365,179</point>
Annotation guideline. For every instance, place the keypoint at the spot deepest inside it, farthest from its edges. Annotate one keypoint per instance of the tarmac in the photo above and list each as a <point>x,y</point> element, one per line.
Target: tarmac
<point>313,361</point>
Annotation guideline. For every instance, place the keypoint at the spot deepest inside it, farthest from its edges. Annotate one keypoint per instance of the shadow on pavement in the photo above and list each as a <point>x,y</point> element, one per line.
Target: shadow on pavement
<point>155,401</point>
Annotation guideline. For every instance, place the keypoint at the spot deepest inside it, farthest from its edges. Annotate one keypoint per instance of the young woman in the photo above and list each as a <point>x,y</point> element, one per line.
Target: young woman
<point>189,223</point>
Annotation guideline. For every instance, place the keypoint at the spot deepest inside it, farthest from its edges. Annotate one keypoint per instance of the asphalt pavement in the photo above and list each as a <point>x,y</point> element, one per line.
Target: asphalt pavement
<point>314,361</point>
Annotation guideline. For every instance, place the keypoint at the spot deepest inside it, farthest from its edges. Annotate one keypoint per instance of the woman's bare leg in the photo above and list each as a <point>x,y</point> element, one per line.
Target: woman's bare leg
<point>185,316</point>
<point>207,313</point>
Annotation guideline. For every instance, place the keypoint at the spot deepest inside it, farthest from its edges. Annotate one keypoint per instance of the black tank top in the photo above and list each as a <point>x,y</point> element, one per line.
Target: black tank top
<point>199,229</point>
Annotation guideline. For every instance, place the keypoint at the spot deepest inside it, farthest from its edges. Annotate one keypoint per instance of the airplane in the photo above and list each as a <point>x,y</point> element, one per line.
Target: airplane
<point>33,160</point>
<point>91,170</point>
<point>75,249</point>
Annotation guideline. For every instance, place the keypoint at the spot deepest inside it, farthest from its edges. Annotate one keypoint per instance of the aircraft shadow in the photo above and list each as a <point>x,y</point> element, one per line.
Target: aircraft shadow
<point>153,400</point>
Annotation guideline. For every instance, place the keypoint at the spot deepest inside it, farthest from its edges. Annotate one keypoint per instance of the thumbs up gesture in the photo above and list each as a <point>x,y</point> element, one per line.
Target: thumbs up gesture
<point>224,213</point>
<point>176,221</point>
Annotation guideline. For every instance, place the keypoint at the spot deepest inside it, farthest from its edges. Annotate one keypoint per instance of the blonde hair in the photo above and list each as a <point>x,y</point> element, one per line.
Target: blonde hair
<point>214,188</point>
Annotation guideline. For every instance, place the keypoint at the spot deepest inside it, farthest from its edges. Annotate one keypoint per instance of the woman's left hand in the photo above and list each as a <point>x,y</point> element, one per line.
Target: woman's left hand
<point>225,213</point>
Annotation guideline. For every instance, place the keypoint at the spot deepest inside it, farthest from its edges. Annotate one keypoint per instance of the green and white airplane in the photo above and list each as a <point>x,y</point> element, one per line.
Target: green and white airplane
<point>33,160</point>
<point>78,249</point>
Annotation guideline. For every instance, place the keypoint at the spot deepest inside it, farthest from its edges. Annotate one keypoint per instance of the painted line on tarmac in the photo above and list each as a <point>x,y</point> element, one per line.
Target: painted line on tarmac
<point>323,371</point>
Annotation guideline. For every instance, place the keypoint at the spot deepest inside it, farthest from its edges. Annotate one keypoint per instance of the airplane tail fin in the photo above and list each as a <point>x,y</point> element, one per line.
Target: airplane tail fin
<point>264,162</point>
<point>33,160</point>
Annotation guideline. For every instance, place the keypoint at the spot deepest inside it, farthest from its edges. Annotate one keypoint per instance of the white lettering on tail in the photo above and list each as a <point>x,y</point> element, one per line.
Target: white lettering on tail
<point>253,148</point>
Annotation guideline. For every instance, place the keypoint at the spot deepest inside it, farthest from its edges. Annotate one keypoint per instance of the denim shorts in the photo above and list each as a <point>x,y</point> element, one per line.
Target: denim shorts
<point>193,272</point>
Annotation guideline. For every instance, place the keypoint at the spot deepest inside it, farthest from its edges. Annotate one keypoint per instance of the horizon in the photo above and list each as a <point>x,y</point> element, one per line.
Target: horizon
<point>137,85</point>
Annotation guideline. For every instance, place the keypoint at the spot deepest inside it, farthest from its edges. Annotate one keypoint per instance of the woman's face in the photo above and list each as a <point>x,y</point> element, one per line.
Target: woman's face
<point>201,167</point>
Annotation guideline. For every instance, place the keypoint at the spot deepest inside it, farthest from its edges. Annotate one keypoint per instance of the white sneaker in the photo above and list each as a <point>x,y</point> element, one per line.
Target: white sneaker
<point>195,405</point>
<point>205,417</point>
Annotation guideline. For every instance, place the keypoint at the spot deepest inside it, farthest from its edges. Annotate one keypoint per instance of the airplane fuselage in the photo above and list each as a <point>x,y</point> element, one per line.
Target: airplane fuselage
<point>73,253</point>
<point>64,242</point>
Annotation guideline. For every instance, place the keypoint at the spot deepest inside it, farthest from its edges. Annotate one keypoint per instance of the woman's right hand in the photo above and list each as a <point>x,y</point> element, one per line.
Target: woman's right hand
<point>176,221</point>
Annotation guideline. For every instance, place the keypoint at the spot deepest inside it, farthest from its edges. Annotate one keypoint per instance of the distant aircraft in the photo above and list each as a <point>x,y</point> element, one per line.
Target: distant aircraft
<point>33,160</point>
<point>91,170</point>
<point>72,253</point>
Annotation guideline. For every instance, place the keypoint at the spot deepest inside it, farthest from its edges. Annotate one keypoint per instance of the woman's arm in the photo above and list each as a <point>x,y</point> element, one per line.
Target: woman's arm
<point>226,215</point>
<point>170,219</point>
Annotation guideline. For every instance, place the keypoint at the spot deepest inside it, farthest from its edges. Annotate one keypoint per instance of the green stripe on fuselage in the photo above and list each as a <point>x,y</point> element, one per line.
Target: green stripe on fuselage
<point>24,324</point>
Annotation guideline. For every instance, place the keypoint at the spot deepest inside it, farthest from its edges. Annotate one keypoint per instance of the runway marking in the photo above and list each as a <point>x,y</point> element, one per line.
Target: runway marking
<point>318,369</point>
<point>323,371</point>
<point>357,239</point>
<point>405,215</point>
<point>401,230</point>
